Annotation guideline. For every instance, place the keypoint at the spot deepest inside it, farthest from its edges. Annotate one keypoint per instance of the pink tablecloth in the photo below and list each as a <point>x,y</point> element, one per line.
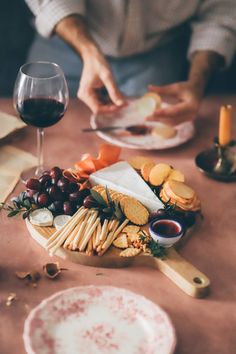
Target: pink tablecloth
<point>203,326</point>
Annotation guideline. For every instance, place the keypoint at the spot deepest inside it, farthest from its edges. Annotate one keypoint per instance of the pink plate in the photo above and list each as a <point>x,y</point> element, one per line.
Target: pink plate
<point>98,320</point>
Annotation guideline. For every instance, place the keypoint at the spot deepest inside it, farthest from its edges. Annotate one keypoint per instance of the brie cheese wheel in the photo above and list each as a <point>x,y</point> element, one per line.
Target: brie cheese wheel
<point>41,217</point>
<point>123,178</point>
<point>60,220</point>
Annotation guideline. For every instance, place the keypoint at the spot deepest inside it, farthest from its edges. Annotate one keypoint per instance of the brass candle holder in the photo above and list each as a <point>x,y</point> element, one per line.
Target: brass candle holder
<point>218,162</point>
<point>226,164</point>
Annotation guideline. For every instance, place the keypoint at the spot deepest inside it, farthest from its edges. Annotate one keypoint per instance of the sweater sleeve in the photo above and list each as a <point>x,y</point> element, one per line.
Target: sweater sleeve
<point>214,28</point>
<point>49,12</point>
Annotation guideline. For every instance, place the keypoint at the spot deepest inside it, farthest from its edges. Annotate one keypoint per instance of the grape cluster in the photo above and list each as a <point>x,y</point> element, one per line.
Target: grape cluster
<point>55,192</point>
<point>186,218</point>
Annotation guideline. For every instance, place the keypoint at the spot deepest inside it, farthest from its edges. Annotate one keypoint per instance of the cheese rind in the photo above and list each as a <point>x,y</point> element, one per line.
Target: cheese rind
<point>123,178</point>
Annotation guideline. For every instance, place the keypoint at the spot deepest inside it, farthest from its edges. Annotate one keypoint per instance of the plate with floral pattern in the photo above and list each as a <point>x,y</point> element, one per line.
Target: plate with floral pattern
<point>98,320</point>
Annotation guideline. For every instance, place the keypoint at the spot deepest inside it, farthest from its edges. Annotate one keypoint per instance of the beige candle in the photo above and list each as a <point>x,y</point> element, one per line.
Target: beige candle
<point>225,126</point>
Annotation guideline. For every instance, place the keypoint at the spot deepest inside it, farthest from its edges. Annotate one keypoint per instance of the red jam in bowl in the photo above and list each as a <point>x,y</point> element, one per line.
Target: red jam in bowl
<point>166,227</point>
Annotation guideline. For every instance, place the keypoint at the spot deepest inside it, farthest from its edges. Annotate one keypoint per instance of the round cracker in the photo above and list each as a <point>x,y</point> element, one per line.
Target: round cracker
<point>181,189</point>
<point>159,173</point>
<point>137,162</point>
<point>176,175</point>
<point>135,211</point>
<point>164,131</point>
<point>98,188</point>
<point>146,169</point>
<point>132,229</point>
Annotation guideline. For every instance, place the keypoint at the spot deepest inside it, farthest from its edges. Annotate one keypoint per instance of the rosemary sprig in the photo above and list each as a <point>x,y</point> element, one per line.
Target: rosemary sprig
<point>156,250</point>
<point>20,205</point>
<point>109,209</point>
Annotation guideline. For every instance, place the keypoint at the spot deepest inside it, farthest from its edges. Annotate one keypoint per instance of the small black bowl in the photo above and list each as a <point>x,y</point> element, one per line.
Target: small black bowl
<point>206,162</point>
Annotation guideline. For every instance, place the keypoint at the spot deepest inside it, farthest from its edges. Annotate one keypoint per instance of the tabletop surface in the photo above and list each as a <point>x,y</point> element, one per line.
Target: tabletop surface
<point>202,325</point>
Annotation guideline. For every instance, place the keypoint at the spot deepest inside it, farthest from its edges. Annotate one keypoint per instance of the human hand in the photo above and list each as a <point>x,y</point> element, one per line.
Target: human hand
<point>186,108</point>
<point>97,75</point>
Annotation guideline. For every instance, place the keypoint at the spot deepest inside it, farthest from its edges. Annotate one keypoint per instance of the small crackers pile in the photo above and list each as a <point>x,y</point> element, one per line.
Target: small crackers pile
<point>170,181</point>
<point>130,241</point>
<point>155,174</point>
<point>131,207</point>
<point>180,194</point>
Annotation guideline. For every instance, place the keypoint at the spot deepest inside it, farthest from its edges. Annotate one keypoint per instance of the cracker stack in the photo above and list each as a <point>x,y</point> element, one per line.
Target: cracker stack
<point>178,193</point>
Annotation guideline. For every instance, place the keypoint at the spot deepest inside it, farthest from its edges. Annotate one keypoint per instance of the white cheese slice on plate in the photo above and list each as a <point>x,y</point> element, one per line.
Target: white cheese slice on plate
<point>123,178</point>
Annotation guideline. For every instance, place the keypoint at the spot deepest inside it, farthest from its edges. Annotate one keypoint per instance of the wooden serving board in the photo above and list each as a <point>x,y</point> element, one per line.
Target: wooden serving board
<point>181,272</point>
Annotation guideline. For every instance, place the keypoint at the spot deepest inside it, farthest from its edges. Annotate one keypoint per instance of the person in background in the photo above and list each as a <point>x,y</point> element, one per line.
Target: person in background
<point>126,46</point>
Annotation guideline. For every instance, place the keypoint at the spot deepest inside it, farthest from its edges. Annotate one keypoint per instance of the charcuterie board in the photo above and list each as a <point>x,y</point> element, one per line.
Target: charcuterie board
<point>182,273</point>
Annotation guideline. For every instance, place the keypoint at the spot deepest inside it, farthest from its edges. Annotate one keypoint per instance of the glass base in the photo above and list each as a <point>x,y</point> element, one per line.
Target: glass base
<point>34,172</point>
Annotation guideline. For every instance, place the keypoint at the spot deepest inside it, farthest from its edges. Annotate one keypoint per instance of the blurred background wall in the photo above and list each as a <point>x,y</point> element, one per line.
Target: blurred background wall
<point>16,35</point>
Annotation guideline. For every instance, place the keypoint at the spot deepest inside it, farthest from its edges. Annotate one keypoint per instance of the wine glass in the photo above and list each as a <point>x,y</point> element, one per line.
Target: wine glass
<point>40,97</point>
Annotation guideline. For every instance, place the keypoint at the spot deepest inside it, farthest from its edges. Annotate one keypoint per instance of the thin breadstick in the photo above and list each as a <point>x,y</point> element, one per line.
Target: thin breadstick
<point>89,222</point>
<point>104,230</point>
<point>112,224</point>
<point>63,236</point>
<point>88,235</point>
<point>97,235</point>
<point>111,237</point>
<point>55,234</point>
<point>66,232</point>
<point>73,221</point>
<point>71,237</point>
<point>94,237</point>
<point>115,226</point>
<point>99,248</point>
<point>75,242</point>
<point>89,249</point>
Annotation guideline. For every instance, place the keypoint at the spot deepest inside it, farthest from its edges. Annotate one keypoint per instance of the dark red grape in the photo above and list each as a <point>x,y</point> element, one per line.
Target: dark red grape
<point>30,193</point>
<point>190,218</point>
<point>72,187</point>
<point>75,197</point>
<point>68,208</point>
<point>33,183</point>
<point>35,198</point>
<point>63,184</point>
<point>79,196</point>
<point>55,173</point>
<point>43,200</point>
<point>89,202</point>
<point>56,207</point>
<point>55,193</point>
<point>45,180</point>
<point>160,213</point>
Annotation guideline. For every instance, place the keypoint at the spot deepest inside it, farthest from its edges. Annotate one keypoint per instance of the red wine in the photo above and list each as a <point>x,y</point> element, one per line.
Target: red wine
<point>41,112</point>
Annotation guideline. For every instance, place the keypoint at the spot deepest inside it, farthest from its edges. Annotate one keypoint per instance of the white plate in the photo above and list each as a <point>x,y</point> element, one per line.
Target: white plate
<point>130,116</point>
<point>98,320</point>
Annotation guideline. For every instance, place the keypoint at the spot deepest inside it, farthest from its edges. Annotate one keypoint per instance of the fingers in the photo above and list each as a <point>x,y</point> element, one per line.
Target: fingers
<point>112,89</point>
<point>174,114</point>
<point>169,90</point>
<point>175,110</point>
<point>91,99</point>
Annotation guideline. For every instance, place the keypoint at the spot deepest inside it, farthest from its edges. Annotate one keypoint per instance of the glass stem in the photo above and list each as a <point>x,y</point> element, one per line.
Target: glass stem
<point>40,139</point>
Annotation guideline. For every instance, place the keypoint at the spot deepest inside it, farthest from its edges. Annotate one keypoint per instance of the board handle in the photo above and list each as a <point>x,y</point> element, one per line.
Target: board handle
<point>184,274</point>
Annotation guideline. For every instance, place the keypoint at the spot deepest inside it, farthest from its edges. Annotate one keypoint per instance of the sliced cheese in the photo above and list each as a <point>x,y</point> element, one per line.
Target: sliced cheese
<point>41,217</point>
<point>123,178</point>
<point>60,220</point>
